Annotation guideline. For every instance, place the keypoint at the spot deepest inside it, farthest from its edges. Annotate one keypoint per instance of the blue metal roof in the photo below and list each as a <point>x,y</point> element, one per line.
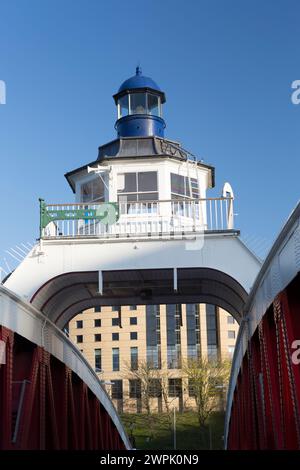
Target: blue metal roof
<point>138,81</point>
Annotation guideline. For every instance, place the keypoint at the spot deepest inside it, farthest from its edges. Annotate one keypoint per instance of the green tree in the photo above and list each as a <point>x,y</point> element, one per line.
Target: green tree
<point>206,379</point>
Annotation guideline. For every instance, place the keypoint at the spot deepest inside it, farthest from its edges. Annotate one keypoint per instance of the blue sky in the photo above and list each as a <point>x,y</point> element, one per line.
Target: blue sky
<point>226,68</point>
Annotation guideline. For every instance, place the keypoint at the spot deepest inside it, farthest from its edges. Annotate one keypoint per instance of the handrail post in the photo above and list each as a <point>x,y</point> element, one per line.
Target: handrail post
<point>194,215</point>
<point>42,213</point>
<point>230,215</point>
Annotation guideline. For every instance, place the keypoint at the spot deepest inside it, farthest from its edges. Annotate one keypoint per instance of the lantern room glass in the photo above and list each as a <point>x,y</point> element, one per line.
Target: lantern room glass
<point>123,106</point>
<point>139,103</point>
<point>153,102</point>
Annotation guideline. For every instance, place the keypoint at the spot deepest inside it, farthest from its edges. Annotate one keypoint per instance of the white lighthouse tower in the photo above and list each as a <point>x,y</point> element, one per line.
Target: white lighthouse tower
<point>160,188</point>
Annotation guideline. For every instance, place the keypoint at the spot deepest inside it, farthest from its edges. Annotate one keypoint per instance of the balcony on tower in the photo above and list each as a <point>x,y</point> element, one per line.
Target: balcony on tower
<point>142,188</point>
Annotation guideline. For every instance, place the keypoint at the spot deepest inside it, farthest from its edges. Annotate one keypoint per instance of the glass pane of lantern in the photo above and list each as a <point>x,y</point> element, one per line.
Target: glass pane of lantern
<point>153,108</point>
<point>124,108</point>
<point>138,103</point>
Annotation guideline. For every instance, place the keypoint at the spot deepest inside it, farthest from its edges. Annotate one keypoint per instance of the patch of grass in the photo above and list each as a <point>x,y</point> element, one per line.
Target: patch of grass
<point>188,433</point>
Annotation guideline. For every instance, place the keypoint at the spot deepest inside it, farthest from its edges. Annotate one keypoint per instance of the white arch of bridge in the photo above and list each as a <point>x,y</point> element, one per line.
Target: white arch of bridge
<point>65,276</point>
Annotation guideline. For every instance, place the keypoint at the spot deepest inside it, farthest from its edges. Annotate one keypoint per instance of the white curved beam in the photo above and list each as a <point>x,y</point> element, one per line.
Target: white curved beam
<point>22,318</point>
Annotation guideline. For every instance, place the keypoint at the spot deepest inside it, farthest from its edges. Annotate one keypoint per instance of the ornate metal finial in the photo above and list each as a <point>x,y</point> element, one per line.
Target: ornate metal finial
<point>138,70</point>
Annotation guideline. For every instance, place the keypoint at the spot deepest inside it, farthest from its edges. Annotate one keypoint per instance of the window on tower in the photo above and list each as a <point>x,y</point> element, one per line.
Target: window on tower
<point>133,187</point>
<point>93,191</point>
<point>183,187</point>
<point>138,186</point>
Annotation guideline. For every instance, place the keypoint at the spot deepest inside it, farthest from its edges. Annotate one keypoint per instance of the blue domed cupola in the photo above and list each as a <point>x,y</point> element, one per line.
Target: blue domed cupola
<point>139,101</point>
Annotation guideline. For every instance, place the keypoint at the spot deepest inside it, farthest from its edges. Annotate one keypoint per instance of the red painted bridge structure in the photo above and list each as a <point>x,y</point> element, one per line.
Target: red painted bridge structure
<point>263,410</point>
<point>50,398</point>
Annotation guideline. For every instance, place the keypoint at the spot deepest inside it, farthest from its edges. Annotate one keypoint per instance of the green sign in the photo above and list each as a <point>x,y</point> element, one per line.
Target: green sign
<point>105,213</point>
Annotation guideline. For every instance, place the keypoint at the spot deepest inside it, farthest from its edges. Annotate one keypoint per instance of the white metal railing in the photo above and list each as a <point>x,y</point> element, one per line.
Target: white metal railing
<point>145,218</point>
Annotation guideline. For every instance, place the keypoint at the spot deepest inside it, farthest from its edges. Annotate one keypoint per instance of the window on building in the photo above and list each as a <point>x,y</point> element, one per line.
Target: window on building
<point>174,356</point>
<point>132,307</point>
<point>212,352</point>
<point>211,338</point>
<point>117,389</point>
<point>93,191</point>
<point>98,364</point>
<point>175,388</point>
<point>133,335</point>
<point>79,324</point>
<point>212,331</point>
<point>193,352</point>
<point>153,336</point>
<point>115,336</point>
<point>135,388</point>
<point>230,320</point>
<point>97,309</point>
<point>215,382</point>
<point>97,323</point>
<point>115,308</point>
<point>192,387</point>
<point>134,360</point>
<point>116,359</point>
<point>115,321</point>
<point>183,187</point>
<point>97,337</point>
<point>133,320</point>
<point>140,186</point>
<point>231,334</point>
<point>154,388</point>
<point>174,323</point>
<point>79,339</point>
<point>154,357</point>
<point>193,331</point>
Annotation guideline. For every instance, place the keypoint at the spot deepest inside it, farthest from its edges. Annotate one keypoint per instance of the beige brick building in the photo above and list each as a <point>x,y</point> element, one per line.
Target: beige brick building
<point>117,339</point>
